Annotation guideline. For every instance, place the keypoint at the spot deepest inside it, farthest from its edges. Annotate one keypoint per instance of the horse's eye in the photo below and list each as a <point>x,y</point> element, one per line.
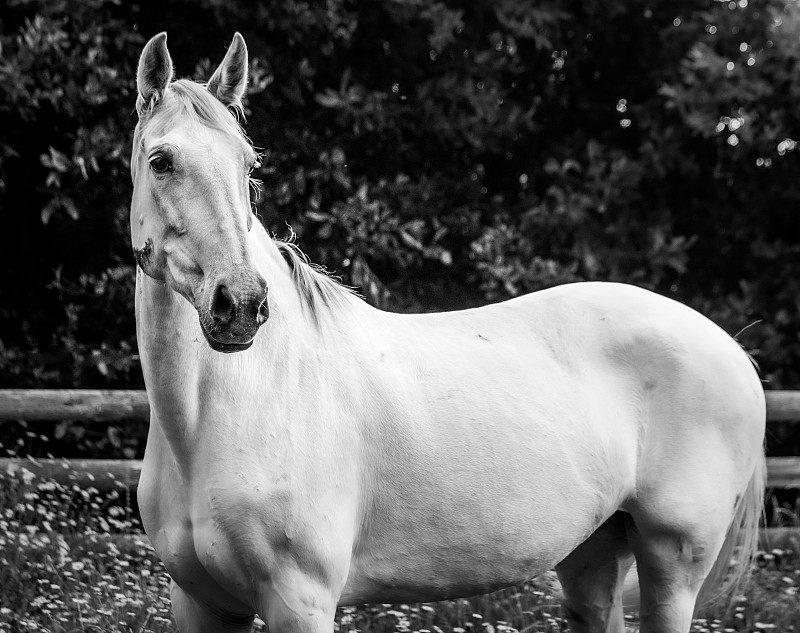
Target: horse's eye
<point>160,165</point>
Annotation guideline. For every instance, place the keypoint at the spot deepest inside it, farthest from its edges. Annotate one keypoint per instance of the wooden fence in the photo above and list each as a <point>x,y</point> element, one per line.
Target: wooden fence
<point>88,406</point>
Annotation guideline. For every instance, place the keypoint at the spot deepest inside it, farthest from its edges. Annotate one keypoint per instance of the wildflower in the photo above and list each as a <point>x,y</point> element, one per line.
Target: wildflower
<point>27,476</point>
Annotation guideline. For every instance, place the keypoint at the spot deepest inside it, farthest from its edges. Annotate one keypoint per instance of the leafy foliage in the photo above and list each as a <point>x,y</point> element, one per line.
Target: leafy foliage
<point>66,280</point>
<point>435,154</point>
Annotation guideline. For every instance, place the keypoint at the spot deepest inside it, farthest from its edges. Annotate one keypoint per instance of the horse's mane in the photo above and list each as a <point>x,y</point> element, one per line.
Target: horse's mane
<point>317,288</point>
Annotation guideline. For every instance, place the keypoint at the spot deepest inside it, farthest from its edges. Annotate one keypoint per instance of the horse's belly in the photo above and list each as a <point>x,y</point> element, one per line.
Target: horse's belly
<point>425,574</point>
<point>452,553</point>
<point>504,510</point>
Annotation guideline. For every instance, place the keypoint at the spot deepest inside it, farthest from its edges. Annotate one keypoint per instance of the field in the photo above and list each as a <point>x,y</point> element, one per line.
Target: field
<point>75,561</point>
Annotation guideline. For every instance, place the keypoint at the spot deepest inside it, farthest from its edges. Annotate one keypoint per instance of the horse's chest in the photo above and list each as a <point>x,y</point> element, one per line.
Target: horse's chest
<point>206,534</point>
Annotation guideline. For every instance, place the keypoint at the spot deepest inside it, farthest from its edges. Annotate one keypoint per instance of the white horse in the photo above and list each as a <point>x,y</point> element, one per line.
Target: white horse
<point>345,455</point>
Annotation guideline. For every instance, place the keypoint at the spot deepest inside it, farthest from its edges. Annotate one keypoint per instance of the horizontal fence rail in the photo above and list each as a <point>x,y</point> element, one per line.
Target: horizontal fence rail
<point>110,474</point>
<point>783,406</point>
<point>76,405</point>
<point>97,405</point>
<point>91,406</point>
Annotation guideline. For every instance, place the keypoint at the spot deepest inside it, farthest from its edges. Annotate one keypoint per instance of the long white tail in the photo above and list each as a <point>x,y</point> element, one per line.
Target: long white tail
<point>732,567</point>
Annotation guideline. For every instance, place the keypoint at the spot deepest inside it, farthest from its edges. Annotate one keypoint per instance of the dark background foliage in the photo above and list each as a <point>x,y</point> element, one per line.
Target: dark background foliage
<point>437,155</point>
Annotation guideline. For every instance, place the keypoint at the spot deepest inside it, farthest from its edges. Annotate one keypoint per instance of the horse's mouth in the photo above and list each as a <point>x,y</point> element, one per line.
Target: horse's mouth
<point>225,348</point>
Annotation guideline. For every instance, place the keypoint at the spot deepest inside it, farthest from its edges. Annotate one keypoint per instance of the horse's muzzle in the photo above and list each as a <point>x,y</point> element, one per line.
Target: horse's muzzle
<point>235,313</point>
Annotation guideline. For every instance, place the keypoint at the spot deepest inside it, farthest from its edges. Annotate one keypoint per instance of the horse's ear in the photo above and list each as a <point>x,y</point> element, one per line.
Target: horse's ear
<point>229,81</point>
<point>154,73</point>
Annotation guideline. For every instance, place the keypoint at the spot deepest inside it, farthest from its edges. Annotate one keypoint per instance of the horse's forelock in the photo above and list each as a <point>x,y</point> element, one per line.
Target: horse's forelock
<point>188,98</point>
<point>182,98</point>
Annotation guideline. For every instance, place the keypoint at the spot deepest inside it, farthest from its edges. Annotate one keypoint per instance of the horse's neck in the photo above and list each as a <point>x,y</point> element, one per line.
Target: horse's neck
<point>167,332</point>
<point>187,381</point>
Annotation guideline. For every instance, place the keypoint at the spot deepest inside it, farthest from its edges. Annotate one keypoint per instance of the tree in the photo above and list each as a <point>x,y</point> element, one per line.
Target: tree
<point>437,155</point>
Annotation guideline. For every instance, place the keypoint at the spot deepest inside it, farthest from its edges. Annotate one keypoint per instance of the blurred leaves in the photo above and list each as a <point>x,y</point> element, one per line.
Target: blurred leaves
<point>436,155</point>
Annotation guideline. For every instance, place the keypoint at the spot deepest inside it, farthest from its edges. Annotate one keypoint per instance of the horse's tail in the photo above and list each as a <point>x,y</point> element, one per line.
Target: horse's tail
<point>731,570</point>
<point>732,567</point>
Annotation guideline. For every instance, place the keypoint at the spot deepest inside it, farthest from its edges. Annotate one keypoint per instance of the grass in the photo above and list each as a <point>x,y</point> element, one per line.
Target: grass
<point>75,561</point>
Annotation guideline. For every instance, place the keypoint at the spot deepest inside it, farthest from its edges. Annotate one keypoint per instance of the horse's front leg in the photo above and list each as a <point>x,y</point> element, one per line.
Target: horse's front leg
<point>295,601</point>
<point>193,616</point>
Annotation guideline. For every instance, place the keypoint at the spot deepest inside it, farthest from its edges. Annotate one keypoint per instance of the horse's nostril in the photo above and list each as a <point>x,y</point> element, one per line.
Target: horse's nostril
<point>223,306</point>
<point>263,312</point>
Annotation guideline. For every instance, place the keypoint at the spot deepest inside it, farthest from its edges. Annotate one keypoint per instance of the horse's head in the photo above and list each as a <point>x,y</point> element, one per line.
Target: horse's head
<point>190,213</point>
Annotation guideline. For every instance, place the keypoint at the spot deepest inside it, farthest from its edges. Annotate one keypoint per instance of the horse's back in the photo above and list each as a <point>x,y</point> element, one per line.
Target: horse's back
<point>576,341</point>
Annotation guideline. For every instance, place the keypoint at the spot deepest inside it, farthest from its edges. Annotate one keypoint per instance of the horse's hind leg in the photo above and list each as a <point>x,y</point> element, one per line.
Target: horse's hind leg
<point>672,564</point>
<point>592,578</point>
<point>194,617</point>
